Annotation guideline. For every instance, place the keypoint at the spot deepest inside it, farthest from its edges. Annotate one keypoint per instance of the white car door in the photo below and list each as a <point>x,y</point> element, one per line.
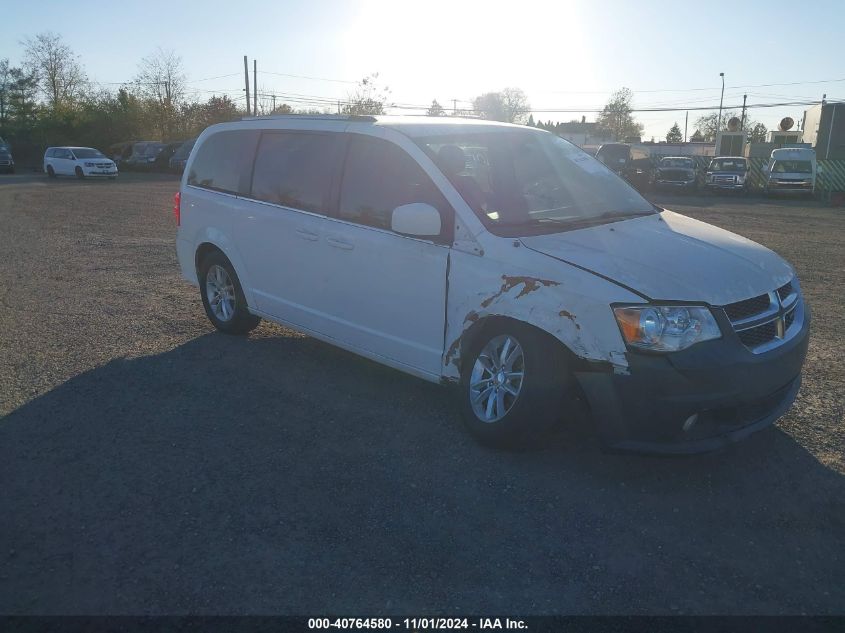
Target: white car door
<point>386,292</point>
<point>280,230</point>
<point>65,162</point>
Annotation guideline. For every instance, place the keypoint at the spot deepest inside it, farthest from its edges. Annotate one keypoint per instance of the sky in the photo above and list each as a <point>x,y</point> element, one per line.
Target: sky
<point>563,55</point>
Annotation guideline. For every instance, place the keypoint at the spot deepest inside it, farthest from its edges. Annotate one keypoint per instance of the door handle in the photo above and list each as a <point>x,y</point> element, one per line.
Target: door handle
<point>347,246</point>
<point>307,235</point>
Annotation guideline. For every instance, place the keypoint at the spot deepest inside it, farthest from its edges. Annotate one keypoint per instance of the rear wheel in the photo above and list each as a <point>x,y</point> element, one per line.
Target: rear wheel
<point>50,172</point>
<point>512,388</point>
<point>222,296</point>
<point>79,173</point>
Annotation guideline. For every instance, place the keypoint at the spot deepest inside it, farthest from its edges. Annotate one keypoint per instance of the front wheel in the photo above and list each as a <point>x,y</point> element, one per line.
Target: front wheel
<point>79,173</point>
<point>222,296</point>
<point>512,388</point>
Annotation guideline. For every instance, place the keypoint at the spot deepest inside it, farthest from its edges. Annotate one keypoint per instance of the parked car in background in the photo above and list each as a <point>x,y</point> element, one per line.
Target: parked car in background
<point>81,162</point>
<point>633,164</point>
<point>119,152</point>
<point>144,154</point>
<point>162,160</point>
<point>727,173</point>
<point>791,170</point>
<point>180,156</point>
<point>502,260</point>
<point>7,163</point>
<point>676,172</point>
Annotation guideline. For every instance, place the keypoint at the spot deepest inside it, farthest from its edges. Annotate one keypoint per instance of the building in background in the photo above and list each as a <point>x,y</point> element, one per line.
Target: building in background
<point>824,129</point>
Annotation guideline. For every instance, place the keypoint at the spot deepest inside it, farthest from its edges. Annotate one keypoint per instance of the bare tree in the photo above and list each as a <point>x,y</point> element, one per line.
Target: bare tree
<point>161,81</point>
<point>61,77</point>
<point>160,77</point>
<point>510,105</point>
<point>368,98</point>
<point>435,109</point>
<point>515,105</point>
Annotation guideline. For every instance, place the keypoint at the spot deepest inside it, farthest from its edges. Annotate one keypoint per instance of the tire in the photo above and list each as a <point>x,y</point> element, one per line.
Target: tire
<point>530,415</point>
<point>51,173</point>
<point>112,177</point>
<point>79,173</point>
<point>231,314</point>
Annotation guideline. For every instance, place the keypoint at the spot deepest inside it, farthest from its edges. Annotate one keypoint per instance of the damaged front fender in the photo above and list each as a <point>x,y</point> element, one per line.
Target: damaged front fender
<point>570,304</point>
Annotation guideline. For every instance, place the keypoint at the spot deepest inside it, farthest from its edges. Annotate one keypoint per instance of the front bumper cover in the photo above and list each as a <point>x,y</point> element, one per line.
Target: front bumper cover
<point>733,391</point>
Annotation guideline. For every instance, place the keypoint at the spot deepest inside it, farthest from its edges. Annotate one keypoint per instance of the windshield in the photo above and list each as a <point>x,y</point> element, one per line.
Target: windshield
<point>525,182</point>
<point>727,164</point>
<point>152,149</point>
<point>792,167</point>
<point>677,163</point>
<point>87,152</point>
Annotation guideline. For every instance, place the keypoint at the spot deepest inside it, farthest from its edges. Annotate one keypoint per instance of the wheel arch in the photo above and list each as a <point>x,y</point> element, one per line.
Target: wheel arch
<point>212,239</point>
<point>476,330</point>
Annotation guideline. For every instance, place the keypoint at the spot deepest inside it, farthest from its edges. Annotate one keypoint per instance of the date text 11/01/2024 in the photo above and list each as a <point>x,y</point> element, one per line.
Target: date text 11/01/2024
<point>414,624</point>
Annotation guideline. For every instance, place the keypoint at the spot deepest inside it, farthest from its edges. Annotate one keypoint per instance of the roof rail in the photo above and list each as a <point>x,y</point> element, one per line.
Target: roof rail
<point>322,117</point>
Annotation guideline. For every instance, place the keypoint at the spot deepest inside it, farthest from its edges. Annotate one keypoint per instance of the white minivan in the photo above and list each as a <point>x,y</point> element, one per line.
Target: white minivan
<point>500,259</point>
<point>82,162</point>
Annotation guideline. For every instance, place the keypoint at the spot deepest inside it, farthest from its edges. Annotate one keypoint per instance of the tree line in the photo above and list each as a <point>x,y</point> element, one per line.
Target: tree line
<point>49,100</point>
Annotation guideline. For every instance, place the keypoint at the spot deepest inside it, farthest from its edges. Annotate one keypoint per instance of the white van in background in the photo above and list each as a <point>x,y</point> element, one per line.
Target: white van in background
<point>791,170</point>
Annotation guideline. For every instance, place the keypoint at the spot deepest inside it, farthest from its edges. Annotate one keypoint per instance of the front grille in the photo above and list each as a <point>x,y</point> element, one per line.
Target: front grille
<point>725,179</point>
<point>789,319</point>
<point>747,308</point>
<point>103,165</point>
<point>674,174</point>
<point>766,320</point>
<point>756,336</point>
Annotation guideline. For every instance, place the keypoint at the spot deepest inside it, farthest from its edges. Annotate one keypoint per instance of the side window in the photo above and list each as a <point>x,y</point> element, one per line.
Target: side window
<point>380,176</point>
<point>224,161</point>
<point>295,170</point>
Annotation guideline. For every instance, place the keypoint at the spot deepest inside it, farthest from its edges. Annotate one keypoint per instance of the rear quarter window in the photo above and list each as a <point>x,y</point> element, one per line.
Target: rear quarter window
<point>224,162</point>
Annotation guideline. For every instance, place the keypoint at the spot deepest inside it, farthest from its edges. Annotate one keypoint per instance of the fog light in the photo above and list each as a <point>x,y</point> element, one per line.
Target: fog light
<point>690,422</point>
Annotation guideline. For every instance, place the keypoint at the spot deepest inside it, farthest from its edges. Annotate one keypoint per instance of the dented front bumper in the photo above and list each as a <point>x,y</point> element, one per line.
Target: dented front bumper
<point>730,391</point>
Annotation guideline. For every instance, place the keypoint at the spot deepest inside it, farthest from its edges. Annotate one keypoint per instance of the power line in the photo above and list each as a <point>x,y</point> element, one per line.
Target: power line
<point>341,81</point>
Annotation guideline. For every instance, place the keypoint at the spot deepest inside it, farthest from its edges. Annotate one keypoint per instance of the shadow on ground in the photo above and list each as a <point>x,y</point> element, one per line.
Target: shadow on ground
<point>280,475</point>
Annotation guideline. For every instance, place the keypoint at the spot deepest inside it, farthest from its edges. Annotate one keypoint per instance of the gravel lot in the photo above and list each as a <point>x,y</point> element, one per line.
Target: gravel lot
<point>150,465</point>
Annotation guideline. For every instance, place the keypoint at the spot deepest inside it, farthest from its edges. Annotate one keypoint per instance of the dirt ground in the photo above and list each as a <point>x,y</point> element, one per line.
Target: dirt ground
<point>150,465</point>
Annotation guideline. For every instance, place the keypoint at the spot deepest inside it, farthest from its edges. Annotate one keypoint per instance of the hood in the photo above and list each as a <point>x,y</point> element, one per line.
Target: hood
<point>669,256</point>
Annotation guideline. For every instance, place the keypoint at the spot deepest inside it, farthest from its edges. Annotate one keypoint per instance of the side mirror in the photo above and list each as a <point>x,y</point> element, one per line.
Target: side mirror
<point>418,219</point>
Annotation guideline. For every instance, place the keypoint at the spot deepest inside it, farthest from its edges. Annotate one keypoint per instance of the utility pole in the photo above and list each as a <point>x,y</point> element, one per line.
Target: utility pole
<point>742,125</point>
<point>454,107</point>
<point>721,100</point>
<point>274,103</point>
<point>246,83</point>
<point>255,87</point>
<point>686,121</point>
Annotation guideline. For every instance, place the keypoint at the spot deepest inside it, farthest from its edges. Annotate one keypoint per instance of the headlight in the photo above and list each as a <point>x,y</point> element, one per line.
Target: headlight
<point>90,164</point>
<point>666,328</point>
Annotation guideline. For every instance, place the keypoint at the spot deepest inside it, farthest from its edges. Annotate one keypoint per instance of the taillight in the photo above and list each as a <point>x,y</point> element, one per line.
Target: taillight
<point>177,207</point>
